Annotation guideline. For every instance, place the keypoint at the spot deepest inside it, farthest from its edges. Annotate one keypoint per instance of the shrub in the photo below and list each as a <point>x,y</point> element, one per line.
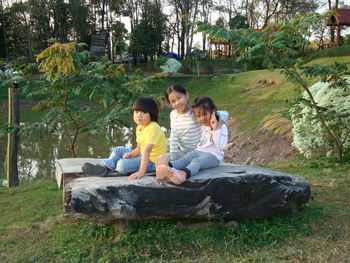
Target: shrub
<point>208,69</point>
<point>139,72</point>
<point>160,61</point>
<point>186,69</point>
<point>309,136</point>
<point>171,66</point>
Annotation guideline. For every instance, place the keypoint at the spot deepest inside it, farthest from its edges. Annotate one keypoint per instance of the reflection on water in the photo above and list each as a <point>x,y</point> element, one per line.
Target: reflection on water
<point>36,156</point>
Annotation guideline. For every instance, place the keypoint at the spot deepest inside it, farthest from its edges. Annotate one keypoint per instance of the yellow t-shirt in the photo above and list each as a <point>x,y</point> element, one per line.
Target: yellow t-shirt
<point>151,134</point>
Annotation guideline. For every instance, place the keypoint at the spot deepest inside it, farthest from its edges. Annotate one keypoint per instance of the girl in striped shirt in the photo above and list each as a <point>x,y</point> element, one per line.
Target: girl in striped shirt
<point>209,151</point>
<point>185,131</point>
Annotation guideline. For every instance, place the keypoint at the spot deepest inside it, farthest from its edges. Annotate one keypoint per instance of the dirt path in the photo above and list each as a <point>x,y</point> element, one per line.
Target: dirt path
<point>262,147</point>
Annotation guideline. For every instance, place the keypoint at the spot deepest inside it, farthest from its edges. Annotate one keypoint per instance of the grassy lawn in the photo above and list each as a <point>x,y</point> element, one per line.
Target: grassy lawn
<point>247,100</point>
<point>33,229</point>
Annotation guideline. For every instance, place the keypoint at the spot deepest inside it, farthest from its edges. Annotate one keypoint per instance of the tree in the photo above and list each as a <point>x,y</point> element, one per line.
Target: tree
<point>332,28</point>
<point>3,35</point>
<point>81,26</point>
<point>186,11</point>
<point>119,35</point>
<point>60,12</point>
<point>68,75</point>
<point>278,45</point>
<point>238,21</point>
<point>148,35</point>
<point>206,7</point>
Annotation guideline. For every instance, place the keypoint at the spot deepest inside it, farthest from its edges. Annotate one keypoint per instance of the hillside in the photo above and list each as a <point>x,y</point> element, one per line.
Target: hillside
<point>258,103</point>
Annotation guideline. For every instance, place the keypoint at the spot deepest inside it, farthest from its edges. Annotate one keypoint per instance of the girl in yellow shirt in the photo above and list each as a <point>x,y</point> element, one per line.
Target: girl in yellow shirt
<point>150,140</point>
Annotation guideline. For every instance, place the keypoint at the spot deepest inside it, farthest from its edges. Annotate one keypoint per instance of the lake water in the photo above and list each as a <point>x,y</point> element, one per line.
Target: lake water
<point>36,156</point>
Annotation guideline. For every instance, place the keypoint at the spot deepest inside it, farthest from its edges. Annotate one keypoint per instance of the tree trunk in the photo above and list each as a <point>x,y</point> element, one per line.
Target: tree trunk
<point>12,169</point>
<point>338,36</point>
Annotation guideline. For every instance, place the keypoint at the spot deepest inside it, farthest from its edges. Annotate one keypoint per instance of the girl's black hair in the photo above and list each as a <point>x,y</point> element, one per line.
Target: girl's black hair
<point>205,104</point>
<point>176,88</point>
<point>146,104</point>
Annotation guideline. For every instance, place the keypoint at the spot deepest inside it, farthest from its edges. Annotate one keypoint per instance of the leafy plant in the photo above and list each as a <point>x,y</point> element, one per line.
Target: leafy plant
<point>279,45</point>
<point>160,61</point>
<point>308,133</point>
<point>82,96</point>
<point>171,66</point>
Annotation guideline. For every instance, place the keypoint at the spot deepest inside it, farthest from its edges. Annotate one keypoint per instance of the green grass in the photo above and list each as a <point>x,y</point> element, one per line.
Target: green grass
<point>328,60</point>
<point>33,229</point>
<point>229,92</point>
<point>329,52</point>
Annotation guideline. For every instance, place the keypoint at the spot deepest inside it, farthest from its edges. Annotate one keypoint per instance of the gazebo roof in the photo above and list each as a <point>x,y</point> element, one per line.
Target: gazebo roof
<point>343,17</point>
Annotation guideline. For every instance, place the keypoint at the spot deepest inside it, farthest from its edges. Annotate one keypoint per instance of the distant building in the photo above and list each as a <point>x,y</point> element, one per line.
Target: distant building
<point>339,17</point>
<point>100,44</point>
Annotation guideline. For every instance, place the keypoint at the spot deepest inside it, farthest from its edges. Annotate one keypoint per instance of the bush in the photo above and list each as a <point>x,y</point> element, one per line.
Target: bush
<point>160,61</point>
<point>309,137</point>
<point>171,66</point>
<point>208,69</point>
<point>139,72</point>
<point>185,69</point>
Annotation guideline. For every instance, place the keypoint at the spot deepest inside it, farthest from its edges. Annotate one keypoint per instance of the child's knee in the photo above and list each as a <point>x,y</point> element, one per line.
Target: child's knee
<point>119,149</point>
<point>125,166</point>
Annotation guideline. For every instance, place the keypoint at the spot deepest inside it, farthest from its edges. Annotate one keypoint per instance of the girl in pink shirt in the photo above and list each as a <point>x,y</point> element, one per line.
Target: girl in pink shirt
<point>210,149</point>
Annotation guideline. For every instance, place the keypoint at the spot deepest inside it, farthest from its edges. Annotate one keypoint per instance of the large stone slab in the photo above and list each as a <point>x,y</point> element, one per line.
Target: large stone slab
<point>228,191</point>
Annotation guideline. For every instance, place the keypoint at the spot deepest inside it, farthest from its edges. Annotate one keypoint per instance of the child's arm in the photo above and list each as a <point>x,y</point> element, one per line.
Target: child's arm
<point>223,117</point>
<point>144,163</point>
<point>132,154</point>
<point>174,145</point>
<point>219,133</point>
<point>174,138</point>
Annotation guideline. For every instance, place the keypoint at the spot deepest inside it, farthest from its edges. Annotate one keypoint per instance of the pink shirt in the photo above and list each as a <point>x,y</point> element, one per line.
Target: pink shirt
<point>217,144</point>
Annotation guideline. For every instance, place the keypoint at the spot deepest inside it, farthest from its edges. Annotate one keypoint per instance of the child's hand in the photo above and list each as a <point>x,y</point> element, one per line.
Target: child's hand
<point>214,122</point>
<point>127,155</point>
<point>137,175</point>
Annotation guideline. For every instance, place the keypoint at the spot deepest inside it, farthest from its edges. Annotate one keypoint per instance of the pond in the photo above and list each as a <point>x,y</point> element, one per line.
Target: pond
<point>36,156</point>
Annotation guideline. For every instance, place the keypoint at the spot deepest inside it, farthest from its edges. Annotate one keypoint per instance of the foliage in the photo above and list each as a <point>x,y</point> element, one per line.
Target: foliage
<point>149,33</point>
<point>186,69</point>
<point>17,72</point>
<point>171,66</point>
<point>70,78</point>
<point>60,60</point>
<point>238,21</point>
<point>119,35</point>
<point>279,45</point>
<point>160,61</point>
<point>309,136</point>
<point>208,69</point>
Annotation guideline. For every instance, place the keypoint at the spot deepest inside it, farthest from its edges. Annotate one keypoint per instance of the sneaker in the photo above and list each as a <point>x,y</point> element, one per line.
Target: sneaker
<point>96,170</point>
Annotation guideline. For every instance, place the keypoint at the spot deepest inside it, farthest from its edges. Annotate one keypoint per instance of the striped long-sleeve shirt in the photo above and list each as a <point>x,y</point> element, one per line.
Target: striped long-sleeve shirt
<point>186,132</point>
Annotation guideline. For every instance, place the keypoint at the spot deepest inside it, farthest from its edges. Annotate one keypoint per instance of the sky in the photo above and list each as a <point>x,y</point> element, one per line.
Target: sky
<point>198,37</point>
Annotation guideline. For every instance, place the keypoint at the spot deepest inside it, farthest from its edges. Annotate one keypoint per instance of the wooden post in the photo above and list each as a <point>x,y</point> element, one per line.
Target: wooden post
<point>13,137</point>
<point>338,36</point>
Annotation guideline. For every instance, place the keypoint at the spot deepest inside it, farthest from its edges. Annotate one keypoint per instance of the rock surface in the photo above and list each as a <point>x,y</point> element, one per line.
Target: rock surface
<point>228,191</point>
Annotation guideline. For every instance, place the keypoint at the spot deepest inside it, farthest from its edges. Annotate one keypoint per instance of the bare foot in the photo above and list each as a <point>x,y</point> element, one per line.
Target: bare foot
<point>176,176</point>
<point>160,171</point>
<point>163,159</point>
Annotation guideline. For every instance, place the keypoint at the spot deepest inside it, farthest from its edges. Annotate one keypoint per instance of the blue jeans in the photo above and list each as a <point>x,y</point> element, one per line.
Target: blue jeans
<point>123,165</point>
<point>195,161</point>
